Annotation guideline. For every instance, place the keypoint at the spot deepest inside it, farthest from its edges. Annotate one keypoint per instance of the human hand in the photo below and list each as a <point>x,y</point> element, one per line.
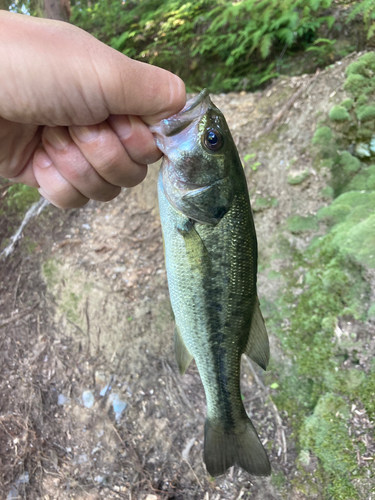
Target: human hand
<point>74,112</point>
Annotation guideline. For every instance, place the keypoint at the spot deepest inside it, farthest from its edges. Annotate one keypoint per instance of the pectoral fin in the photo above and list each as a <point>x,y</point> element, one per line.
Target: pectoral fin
<point>196,252</point>
<point>183,356</point>
<point>258,348</point>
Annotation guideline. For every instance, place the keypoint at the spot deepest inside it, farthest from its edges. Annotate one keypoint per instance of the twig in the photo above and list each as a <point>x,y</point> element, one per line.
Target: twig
<point>16,291</point>
<point>33,211</point>
<point>275,411</point>
<point>182,393</point>
<point>19,315</point>
<point>268,128</point>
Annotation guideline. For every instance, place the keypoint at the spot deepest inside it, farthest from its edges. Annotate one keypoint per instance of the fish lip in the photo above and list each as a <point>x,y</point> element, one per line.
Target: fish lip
<point>192,111</point>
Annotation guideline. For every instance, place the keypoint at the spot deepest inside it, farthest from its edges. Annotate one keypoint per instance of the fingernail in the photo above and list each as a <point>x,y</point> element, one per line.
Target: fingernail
<point>56,138</point>
<point>42,159</point>
<point>122,126</point>
<point>86,134</point>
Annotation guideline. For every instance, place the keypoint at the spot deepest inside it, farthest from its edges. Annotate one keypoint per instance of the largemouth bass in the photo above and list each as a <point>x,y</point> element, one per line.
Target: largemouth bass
<point>211,259</point>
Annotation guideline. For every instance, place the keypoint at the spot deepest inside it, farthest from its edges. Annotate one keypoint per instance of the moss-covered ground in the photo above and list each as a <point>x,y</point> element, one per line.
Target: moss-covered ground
<point>324,317</point>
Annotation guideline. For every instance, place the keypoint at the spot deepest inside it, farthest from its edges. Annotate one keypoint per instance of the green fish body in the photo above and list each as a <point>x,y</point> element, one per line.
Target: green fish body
<point>211,259</point>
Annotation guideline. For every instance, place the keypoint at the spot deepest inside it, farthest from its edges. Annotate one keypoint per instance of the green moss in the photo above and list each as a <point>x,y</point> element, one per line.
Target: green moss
<point>358,183</point>
<point>339,114</point>
<point>356,237</point>
<point>50,272</point>
<point>362,65</point>
<point>347,104</point>
<point>349,163</point>
<point>278,479</point>
<point>366,113</point>
<point>362,99</point>
<point>364,132</point>
<point>298,224</point>
<point>325,433</point>
<point>322,136</point>
<point>299,178</point>
<point>20,197</point>
<point>371,313</point>
<point>264,203</point>
<point>334,213</point>
<point>355,83</point>
<point>327,192</point>
<point>366,393</point>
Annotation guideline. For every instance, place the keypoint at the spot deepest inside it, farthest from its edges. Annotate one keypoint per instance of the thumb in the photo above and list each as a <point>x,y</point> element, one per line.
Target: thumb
<point>137,88</point>
<point>53,73</point>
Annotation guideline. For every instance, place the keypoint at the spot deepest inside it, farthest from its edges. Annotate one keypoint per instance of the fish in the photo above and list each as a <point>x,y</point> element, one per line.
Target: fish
<point>210,249</point>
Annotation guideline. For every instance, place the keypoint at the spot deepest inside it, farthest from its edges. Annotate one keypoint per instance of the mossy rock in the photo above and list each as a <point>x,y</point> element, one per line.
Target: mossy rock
<point>264,203</point>
<point>322,136</point>
<point>355,83</point>
<point>362,100</point>
<point>358,183</point>
<point>365,132</point>
<point>366,113</point>
<point>349,162</point>
<point>362,66</point>
<point>339,113</point>
<point>298,178</point>
<point>334,214</point>
<point>362,150</point>
<point>325,434</point>
<point>357,239</point>
<point>298,224</point>
<point>327,192</point>
<point>347,104</point>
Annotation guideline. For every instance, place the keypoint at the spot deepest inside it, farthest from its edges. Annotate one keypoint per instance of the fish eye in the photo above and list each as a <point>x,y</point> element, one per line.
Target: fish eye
<point>213,140</point>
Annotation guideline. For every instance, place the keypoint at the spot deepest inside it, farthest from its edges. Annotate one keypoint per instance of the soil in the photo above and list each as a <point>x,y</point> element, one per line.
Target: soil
<point>86,323</point>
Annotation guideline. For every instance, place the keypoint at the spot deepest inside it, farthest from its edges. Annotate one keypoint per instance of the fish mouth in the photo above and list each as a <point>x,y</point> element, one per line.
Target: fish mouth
<point>193,110</point>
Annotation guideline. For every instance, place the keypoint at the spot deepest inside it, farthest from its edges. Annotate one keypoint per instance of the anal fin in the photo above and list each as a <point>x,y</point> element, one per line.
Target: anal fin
<point>257,347</point>
<point>183,356</point>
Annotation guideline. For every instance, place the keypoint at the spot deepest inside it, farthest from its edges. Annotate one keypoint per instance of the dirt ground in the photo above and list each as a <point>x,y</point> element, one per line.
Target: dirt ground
<point>92,405</point>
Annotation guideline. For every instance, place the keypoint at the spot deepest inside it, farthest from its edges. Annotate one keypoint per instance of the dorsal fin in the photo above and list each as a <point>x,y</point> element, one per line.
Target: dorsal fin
<point>257,347</point>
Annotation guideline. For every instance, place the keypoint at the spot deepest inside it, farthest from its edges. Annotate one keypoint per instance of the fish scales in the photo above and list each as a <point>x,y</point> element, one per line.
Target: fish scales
<point>211,260</point>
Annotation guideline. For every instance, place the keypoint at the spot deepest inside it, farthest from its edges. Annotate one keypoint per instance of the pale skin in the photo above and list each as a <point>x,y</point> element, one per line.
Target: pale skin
<point>74,112</point>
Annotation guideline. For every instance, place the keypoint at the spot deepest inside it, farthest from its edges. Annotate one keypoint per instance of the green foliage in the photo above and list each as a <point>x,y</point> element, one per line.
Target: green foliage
<point>324,49</point>
<point>19,198</point>
<point>367,9</point>
<point>339,113</point>
<point>221,44</point>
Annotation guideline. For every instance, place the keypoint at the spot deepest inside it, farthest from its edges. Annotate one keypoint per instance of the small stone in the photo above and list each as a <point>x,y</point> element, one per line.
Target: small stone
<point>362,150</point>
<point>88,399</point>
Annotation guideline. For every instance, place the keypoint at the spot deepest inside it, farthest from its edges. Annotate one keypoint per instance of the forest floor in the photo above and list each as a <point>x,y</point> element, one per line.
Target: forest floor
<point>92,405</point>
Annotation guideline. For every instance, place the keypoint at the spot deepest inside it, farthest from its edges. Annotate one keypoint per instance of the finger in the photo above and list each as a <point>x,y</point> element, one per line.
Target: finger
<point>26,176</point>
<point>137,88</point>
<point>136,137</point>
<point>73,166</point>
<point>53,186</point>
<point>103,150</point>
<point>83,81</point>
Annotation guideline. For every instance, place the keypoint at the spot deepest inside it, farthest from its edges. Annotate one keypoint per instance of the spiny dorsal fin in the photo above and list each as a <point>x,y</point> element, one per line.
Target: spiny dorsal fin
<point>258,348</point>
<point>183,356</point>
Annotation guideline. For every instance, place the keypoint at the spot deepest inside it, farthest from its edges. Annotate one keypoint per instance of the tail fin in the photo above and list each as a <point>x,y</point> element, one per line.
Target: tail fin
<point>222,450</point>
